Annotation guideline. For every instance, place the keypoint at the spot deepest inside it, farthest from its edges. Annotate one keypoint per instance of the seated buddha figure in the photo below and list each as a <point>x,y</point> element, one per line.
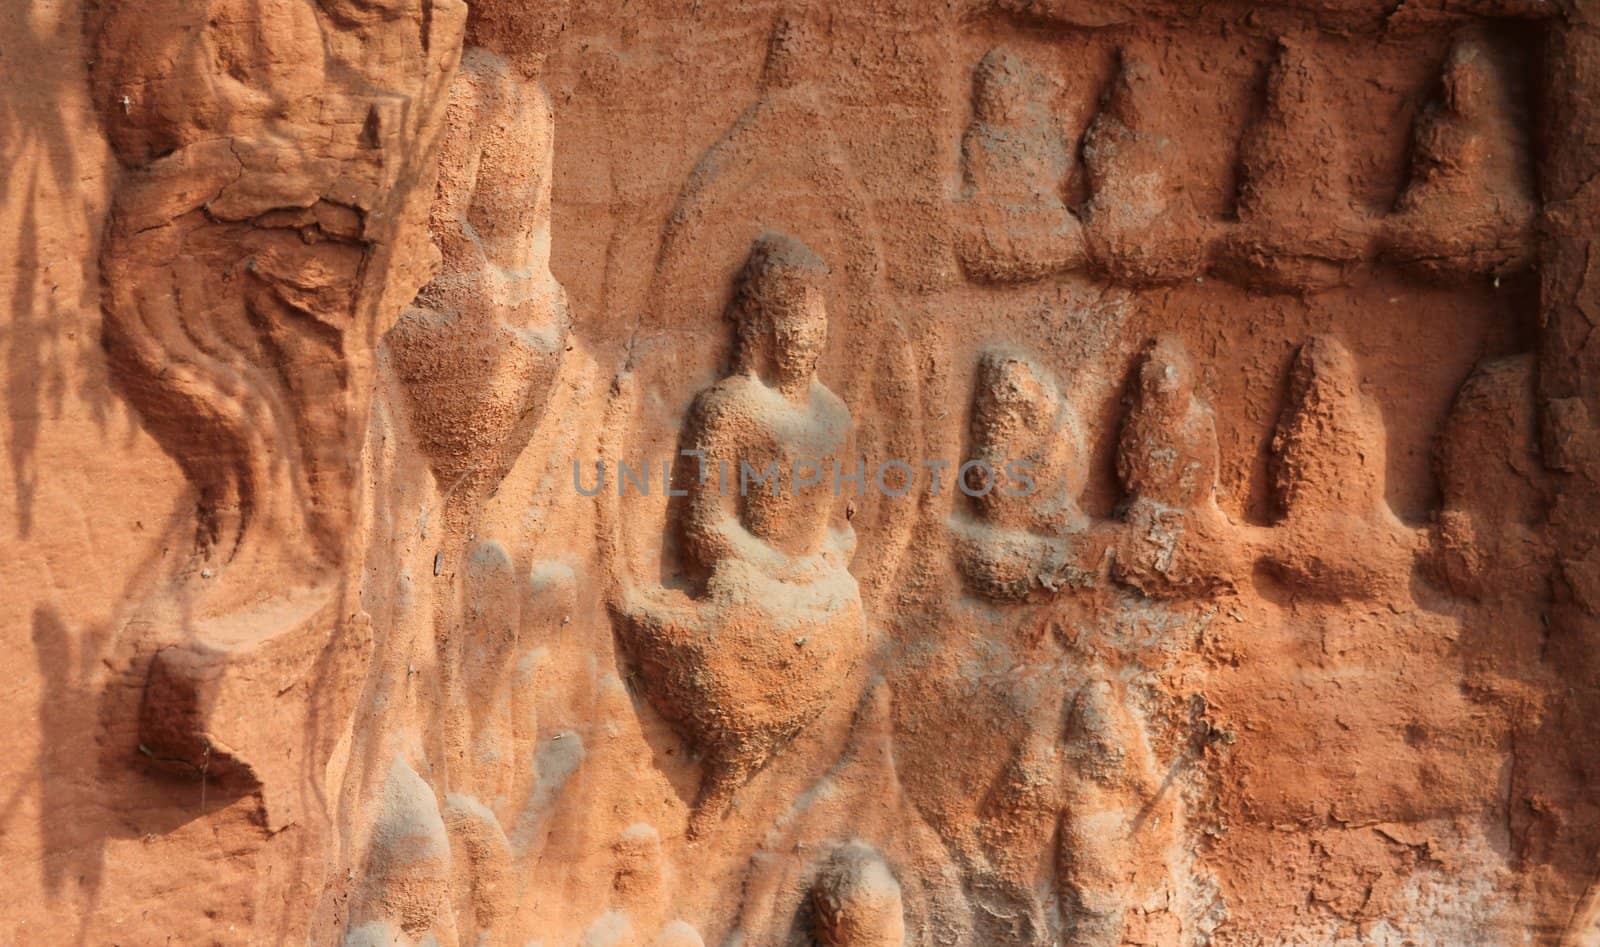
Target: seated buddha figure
<point>1024,531</point>
<point>1012,215</point>
<point>772,631</point>
<point>1336,535</point>
<point>1178,542</point>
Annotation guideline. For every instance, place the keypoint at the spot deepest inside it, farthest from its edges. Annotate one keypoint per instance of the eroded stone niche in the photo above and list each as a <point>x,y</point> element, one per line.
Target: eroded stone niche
<point>1251,602</point>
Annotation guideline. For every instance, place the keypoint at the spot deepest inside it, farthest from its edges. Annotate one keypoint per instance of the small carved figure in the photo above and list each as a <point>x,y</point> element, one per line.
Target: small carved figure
<point>1083,785</point>
<point>477,353</point>
<point>774,632</point>
<point>1469,206</point>
<point>1026,529</point>
<point>475,356</point>
<point>485,888</point>
<point>1019,819</point>
<point>1014,222</point>
<point>1338,536</point>
<point>1487,539</point>
<point>1178,542</point>
<point>856,901</point>
<point>638,881</point>
<point>489,755</point>
<point>639,896</point>
<point>1298,228</point>
<point>406,876</point>
<point>1141,224</point>
<point>1114,820</point>
<point>451,870</point>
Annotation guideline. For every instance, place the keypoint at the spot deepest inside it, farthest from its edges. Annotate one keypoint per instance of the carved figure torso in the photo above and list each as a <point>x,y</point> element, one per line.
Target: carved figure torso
<point>740,420</point>
<point>1021,164</point>
<point>1168,450</point>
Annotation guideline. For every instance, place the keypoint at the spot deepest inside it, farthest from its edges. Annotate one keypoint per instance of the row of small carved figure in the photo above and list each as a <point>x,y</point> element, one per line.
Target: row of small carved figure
<point>1336,536</point>
<point>435,873</point>
<point>1467,209</point>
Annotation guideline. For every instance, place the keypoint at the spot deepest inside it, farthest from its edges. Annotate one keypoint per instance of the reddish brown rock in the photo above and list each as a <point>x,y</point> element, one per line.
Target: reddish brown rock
<point>1011,472</point>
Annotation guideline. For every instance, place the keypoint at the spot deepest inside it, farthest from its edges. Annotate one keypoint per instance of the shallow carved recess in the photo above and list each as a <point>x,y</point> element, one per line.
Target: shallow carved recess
<point>1005,472</point>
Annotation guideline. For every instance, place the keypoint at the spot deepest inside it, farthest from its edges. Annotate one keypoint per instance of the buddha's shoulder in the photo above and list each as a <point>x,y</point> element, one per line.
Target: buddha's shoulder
<point>733,396</point>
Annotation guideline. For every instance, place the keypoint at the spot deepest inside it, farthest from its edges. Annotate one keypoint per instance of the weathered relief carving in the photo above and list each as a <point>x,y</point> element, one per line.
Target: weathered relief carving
<point>849,857</point>
<point>856,901</point>
<point>1487,536</point>
<point>406,874</point>
<point>1014,220</point>
<point>1078,803</point>
<point>1250,609</point>
<point>255,247</point>
<point>1028,464</point>
<point>1338,535</point>
<point>1116,823</point>
<point>1298,227</point>
<point>471,365</point>
<point>1078,831</point>
<point>1297,224</point>
<point>478,351</point>
<point>1468,207</point>
<point>781,167</point>
<point>638,894</point>
<point>773,630</point>
<point>1142,225</point>
<point>1177,539</point>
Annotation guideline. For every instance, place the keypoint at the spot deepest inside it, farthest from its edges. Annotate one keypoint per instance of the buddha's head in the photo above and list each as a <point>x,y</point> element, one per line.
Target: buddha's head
<point>781,311</point>
<point>1467,77</point>
<point>1166,375</point>
<point>1001,87</point>
<point>1019,413</point>
<point>1016,399</point>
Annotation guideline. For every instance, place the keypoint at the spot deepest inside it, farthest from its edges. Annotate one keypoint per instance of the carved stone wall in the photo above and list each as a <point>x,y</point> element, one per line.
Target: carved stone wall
<point>983,472</point>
